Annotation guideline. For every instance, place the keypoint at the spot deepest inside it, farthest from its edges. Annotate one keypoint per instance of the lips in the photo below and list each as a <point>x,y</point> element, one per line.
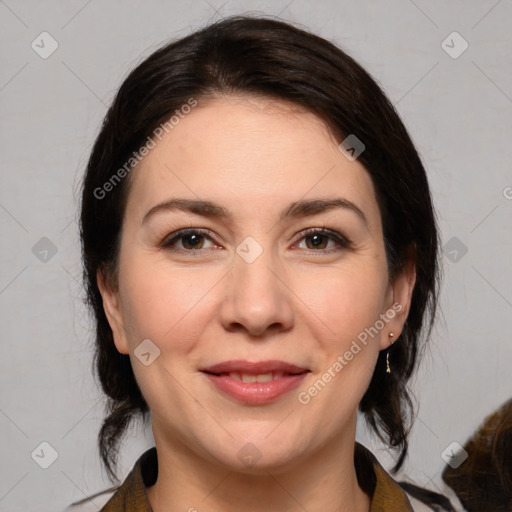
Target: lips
<point>249,368</point>
<point>255,383</point>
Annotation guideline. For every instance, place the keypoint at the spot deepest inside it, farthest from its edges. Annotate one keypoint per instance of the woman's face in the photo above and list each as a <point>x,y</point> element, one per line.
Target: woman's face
<point>248,284</point>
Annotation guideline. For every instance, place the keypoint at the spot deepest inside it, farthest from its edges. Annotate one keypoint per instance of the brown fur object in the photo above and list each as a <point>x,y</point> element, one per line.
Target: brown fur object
<point>483,482</point>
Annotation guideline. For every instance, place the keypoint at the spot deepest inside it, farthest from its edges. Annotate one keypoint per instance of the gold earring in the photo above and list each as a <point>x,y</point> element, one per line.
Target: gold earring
<point>388,369</point>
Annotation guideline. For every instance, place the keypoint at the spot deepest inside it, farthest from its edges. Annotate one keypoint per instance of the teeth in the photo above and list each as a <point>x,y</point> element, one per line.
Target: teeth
<point>262,377</point>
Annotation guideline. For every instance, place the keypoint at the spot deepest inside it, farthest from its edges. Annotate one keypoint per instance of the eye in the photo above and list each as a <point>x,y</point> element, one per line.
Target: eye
<point>317,240</point>
<point>191,239</point>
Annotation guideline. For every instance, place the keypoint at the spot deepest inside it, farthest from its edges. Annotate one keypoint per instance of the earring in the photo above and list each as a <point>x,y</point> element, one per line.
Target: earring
<point>388,369</point>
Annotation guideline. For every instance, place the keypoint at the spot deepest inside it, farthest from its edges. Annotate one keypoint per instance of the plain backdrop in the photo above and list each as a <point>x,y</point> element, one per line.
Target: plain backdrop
<point>457,107</point>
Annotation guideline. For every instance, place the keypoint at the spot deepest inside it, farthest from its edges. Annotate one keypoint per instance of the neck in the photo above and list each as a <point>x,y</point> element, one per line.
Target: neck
<point>188,482</point>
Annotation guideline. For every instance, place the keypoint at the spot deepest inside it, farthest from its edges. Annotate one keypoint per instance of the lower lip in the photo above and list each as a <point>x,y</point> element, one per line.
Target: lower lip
<point>256,392</point>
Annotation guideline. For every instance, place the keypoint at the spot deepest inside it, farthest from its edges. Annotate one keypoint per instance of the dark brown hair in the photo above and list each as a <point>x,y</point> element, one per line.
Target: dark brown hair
<point>269,58</point>
<point>483,482</point>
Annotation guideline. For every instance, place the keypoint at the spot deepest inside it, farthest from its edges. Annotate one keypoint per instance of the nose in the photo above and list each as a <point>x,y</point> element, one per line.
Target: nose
<point>258,298</point>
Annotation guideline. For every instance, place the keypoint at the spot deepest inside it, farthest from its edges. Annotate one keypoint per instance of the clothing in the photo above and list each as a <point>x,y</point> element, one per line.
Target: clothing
<point>386,495</point>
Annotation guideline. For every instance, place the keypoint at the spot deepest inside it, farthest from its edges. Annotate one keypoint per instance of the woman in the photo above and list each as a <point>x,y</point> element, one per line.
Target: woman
<point>261,255</point>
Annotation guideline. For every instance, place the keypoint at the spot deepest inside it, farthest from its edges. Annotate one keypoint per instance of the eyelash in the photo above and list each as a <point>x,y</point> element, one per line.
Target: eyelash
<point>340,240</point>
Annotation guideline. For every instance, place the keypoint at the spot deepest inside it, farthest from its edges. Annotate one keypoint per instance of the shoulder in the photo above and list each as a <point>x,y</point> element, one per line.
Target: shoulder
<point>386,492</point>
<point>417,505</point>
<point>131,494</point>
<point>92,504</point>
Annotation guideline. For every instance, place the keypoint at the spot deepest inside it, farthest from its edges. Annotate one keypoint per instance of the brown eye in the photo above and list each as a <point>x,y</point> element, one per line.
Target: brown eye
<point>318,240</point>
<point>191,239</point>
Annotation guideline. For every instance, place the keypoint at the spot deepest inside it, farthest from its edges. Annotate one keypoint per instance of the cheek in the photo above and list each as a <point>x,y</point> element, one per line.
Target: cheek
<point>343,302</point>
<point>168,308</point>
<point>340,312</point>
<point>171,310</point>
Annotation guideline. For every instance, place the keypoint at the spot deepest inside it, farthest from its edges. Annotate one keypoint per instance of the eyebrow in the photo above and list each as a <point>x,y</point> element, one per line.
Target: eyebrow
<point>298,209</point>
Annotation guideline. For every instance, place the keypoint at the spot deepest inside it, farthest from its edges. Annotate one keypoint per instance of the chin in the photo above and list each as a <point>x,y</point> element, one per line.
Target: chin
<point>259,455</point>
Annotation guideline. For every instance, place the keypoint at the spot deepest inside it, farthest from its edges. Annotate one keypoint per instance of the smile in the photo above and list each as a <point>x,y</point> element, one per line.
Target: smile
<point>255,383</point>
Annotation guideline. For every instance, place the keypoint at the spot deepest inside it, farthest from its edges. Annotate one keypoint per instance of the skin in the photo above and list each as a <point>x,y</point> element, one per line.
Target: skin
<point>296,302</point>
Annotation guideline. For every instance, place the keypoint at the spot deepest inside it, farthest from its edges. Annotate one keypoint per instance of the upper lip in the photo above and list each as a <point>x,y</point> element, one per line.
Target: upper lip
<point>255,368</point>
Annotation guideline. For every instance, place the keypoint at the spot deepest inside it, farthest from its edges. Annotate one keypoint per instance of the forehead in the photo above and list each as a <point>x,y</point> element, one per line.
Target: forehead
<point>248,151</point>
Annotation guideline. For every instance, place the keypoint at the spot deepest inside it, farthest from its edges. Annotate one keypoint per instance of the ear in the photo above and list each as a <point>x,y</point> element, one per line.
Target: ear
<point>398,301</point>
<point>113,312</point>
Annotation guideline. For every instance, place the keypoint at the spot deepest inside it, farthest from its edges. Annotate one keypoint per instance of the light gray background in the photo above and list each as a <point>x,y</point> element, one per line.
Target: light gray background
<point>457,110</point>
